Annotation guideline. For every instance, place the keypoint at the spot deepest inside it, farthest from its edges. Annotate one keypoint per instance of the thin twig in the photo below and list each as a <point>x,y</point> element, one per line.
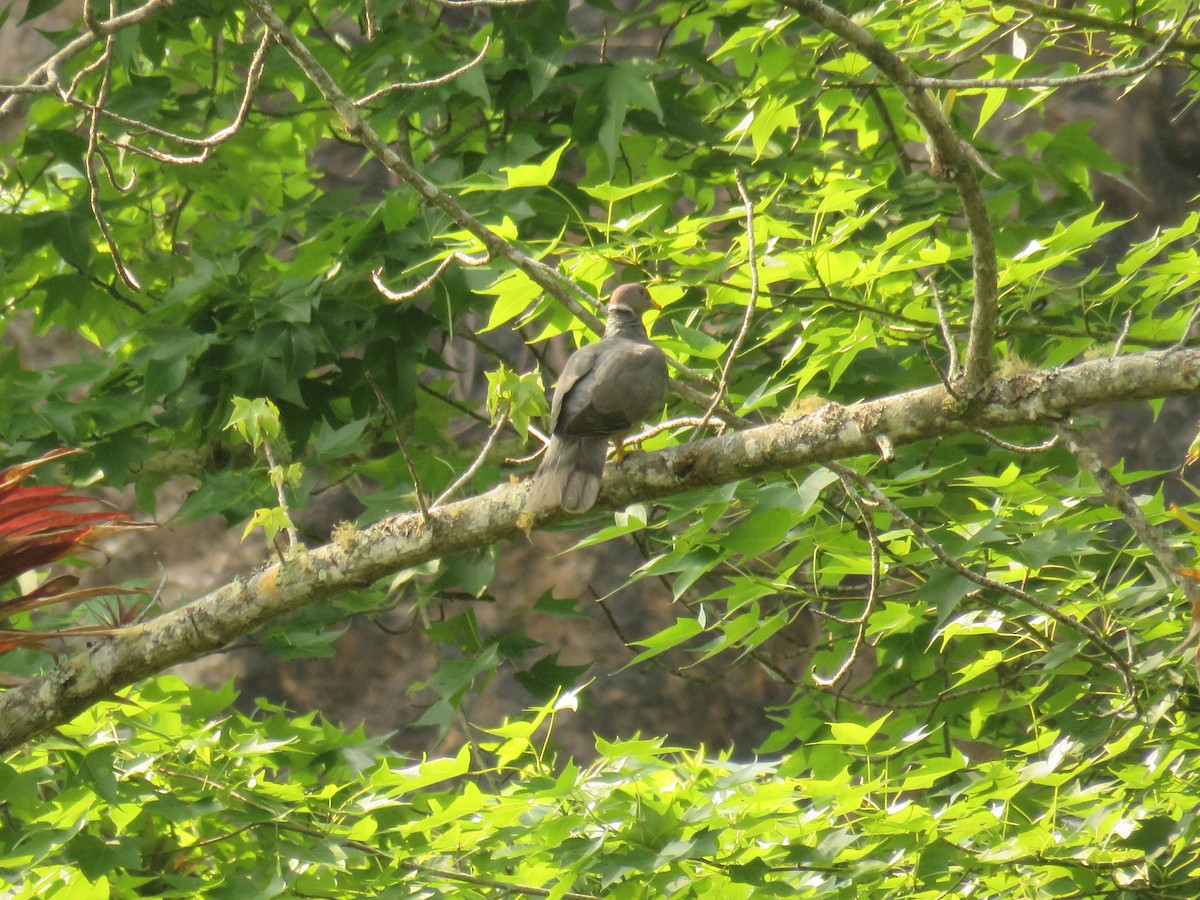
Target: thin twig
<point>1017,448</point>
<point>1121,500</point>
<point>370,29</point>
<point>1044,81</point>
<point>1119,343</point>
<point>90,69</point>
<point>457,404</point>
<point>253,77</point>
<point>428,82</point>
<point>466,260</point>
<point>947,334</point>
<point>525,460</point>
<point>422,500</point>
<point>751,302</point>
<point>669,425</point>
<point>281,496</point>
<point>93,178</point>
<point>44,78</point>
<point>125,188</point>
<point>1077,16</point>
<point>475,466</point>
<point>1186,337</point>
<point>843,670</point>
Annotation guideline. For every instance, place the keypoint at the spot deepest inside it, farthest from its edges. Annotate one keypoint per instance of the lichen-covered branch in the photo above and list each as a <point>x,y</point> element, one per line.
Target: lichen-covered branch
<point>829,433</point>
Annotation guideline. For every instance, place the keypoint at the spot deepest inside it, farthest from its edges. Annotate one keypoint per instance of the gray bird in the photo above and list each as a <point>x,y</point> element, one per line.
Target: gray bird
<point>605,389</point>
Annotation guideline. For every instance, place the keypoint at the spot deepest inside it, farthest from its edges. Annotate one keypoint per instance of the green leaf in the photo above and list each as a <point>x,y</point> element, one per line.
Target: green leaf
<point>852,733</point>
<point>681,632</point>
<point>536,174</point>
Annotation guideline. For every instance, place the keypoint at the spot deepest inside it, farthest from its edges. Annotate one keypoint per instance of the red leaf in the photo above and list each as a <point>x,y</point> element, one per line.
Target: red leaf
<point>37,528</point>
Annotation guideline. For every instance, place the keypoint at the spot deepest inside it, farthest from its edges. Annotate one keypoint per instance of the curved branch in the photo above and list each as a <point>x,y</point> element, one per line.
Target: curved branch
<point>555,284</point>
<point>427,83</point>
<point>952,160</point>
<point>751,303</point>
<point>829,433</point>
<point>44,78</point>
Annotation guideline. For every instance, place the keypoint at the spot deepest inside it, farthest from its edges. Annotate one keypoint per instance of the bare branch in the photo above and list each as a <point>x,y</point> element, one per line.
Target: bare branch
<point>1119,343</point>
<point>370,29</point>
<point>376,276</point>
<point>751,302</point>
<point>1187,335</point>
<point>1079,16</point>
<point>428,82</point>
<point>947,333</point>
<point>1081,626</point>
<point>551,281</point>
<point>422,498</point>
<point>1017,448</point>
<point>44,78</point>
<point>669,425</point>
<point>847,663</point>
<point>98,28</point>
<point>90,69</point>
<point>1121,500</point>
<point>253,77</point>
<point>93,179</point>
<point>125,188</point>
<point>475,466</point>
<point>951,161</point>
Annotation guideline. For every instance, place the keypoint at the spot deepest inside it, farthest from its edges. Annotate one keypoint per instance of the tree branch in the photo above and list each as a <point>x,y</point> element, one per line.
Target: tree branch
<point>399,542</point>
<point>1071,13</point>
<point>44,78</point>
<point>541,274</point>
<point>1121,500</point>
<point>951,160</point>
<point>555,284</point>
<point>1105,74</point>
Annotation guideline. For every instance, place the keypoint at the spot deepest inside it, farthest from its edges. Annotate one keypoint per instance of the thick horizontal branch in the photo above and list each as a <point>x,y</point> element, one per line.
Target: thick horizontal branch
<point>400,542</point>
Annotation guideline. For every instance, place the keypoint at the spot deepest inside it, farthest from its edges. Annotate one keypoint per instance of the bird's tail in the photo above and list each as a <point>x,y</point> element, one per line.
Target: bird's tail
<point>569,475</point>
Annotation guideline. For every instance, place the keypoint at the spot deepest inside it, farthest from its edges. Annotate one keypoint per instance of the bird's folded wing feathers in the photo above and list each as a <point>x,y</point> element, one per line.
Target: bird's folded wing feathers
<point>577,368</point>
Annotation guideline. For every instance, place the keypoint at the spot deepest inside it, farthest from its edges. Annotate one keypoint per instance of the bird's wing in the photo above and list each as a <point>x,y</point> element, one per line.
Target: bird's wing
<point>578,367</point>
<point>629,383</point>
<point>623,384</point>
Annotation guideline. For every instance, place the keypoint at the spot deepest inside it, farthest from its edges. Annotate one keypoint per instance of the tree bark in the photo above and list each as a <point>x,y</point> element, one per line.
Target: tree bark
<point>829,433</point>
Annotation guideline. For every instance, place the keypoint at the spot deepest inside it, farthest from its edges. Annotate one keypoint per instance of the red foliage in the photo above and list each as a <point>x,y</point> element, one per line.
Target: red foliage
<point>38,525</point>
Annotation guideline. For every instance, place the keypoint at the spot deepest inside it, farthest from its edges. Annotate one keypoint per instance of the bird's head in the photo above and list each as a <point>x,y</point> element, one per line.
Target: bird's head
<point>632,297</point>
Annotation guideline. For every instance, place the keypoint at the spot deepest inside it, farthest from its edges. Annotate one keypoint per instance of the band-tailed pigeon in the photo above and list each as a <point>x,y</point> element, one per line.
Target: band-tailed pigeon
<point>604,390</point>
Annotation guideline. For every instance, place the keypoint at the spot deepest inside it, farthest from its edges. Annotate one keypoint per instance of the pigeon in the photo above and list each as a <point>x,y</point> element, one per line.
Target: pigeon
<point>605,389</point>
